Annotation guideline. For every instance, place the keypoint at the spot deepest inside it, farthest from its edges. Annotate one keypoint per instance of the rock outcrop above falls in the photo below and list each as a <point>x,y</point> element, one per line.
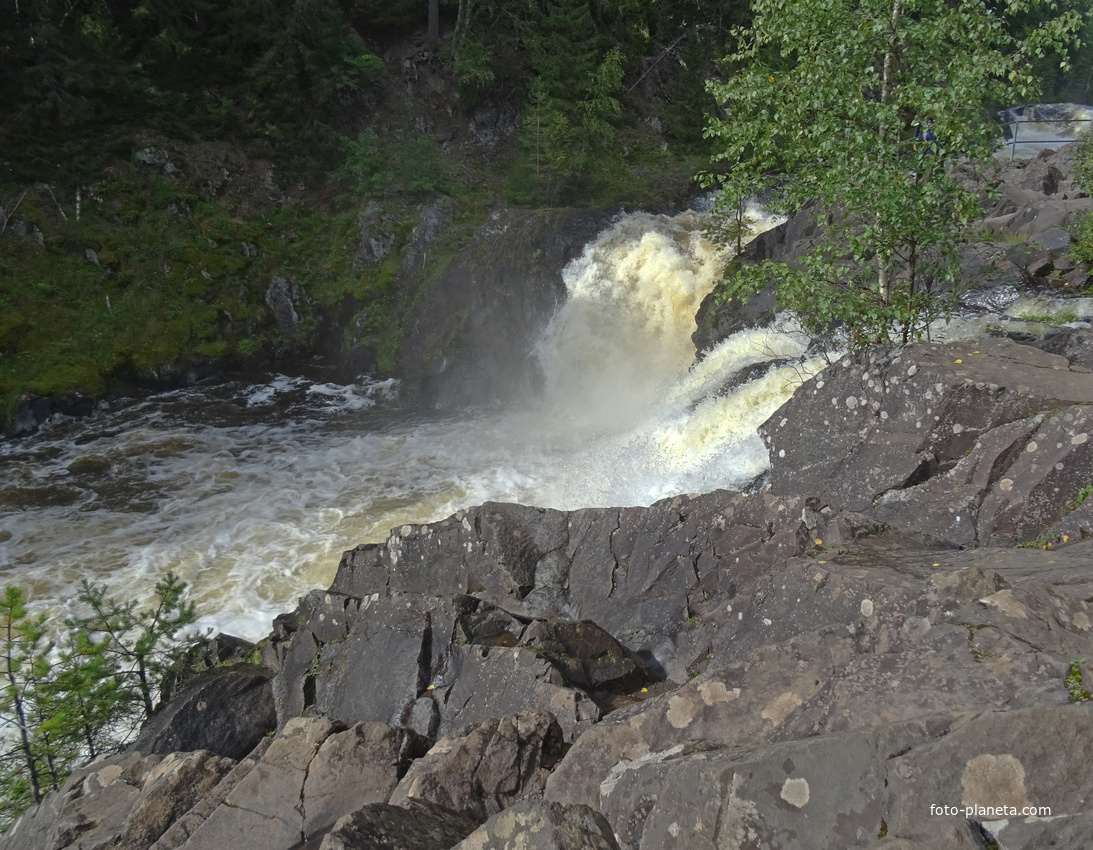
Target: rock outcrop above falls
<point>856,655</point>
<point>469,342</point>
<point>962,444</point>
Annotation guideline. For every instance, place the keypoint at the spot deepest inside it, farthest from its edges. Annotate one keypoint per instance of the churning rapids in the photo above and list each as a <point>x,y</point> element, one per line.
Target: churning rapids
<point>251,491</point>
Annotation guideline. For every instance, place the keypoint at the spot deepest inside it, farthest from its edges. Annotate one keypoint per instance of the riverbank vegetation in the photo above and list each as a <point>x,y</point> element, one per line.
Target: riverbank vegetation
<point>1082,233</point>
<point>860,109</point>
<point>63,703</point>
<point>163,163</point>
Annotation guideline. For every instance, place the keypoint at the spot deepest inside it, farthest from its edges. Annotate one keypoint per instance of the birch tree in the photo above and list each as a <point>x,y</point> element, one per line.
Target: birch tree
<point>862,107</point>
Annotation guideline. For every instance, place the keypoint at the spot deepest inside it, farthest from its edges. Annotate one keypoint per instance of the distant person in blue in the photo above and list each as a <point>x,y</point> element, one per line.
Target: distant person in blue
<point>924,133</point>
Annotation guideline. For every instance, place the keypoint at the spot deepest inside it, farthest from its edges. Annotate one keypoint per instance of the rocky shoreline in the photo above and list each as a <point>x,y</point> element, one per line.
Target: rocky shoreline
<point>813,665</point>
<point>883,645</point>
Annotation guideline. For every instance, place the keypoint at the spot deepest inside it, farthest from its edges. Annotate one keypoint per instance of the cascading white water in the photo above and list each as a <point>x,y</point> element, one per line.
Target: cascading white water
<point>623,336</point>
<point>251,491</point>
<point>1036,127</point>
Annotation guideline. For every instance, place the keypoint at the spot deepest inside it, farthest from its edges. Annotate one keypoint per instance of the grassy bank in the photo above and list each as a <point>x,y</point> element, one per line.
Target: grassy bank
<point>152,278</point>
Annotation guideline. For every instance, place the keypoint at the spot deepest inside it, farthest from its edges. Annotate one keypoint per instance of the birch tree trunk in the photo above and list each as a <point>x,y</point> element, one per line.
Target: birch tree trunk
<point>885,90</point>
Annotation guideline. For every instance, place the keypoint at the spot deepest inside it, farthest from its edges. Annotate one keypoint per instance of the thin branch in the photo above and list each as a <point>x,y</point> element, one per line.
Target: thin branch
<point>8,215</point>
<point>656,61</point>
<point>55,201</point>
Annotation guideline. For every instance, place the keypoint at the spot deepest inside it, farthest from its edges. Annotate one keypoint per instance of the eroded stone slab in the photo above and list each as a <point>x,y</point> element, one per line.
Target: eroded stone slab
<point>890,418</point>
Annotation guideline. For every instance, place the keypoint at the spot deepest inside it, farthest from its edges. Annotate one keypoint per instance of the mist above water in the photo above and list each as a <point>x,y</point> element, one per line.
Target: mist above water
<point>623,336</point>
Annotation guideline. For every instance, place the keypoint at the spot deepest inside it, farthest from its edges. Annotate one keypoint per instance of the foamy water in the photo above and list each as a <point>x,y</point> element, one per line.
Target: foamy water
<point>251,491</point>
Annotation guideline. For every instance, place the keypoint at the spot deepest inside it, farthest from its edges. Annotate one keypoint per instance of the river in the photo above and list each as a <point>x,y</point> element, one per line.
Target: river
<point>250,490</point>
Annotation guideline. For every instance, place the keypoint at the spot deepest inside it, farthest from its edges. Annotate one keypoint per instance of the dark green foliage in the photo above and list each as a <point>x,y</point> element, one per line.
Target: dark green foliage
<point>572,102</point>
<point>1083,162</point>
<point>299,83</point>
<point>1074,685</point>
<point>392,16</point>
<point>142,646</point>
<point>1066,74</point>
<point>563,65</point>
<point>65,704</point>
<point>563,46</point>
<point>380,168</point>
<point>26,771</point>
<point>1081,248</point>
<point>560,139</point>
<point>173,289</point>
<point>77,79</point>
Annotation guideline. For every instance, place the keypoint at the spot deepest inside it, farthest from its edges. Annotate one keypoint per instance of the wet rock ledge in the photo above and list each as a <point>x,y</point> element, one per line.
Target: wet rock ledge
<point>896,622</point>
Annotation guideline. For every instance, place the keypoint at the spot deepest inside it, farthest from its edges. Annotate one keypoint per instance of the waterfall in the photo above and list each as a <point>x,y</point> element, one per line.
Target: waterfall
<point>250,492</point>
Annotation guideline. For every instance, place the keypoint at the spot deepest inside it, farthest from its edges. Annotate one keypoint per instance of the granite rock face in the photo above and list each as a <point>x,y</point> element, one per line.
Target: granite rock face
<point>125,802</point>
<point>961,443</point>
<point>469,341</point>
<point>1021,242</point>
<point>542,826</point>
<point>226,711</point>
<point>840,667</point>
<point>485,768</point>
<point>634,577</point>
<point>417,826</point>
<point>315,772</point>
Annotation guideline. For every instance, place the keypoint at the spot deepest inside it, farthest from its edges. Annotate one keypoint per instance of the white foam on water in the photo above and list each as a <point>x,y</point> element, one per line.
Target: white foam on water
<point>267,392</point>
<point>1051,307</point>
<point>251,492</point>
<point>623,336</point>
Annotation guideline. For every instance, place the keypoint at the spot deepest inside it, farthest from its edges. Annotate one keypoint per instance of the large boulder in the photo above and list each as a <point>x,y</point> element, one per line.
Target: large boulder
<point>402,663</point>
<point>783,614</point>
<point>226,711</point>
<point>821,672</point>
<point>893,418</point>
<point>637,573</point>
<point>572,608</point>
<point>481,682</point>
<point>414,826</point>
<point>125,802</point>
<point>542,826</point>
<point>185,826</point>
<point>486,768</point>
<point>314,773</point>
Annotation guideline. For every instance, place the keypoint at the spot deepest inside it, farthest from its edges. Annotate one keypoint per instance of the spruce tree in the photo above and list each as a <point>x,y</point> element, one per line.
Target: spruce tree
<point>68,702</point>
